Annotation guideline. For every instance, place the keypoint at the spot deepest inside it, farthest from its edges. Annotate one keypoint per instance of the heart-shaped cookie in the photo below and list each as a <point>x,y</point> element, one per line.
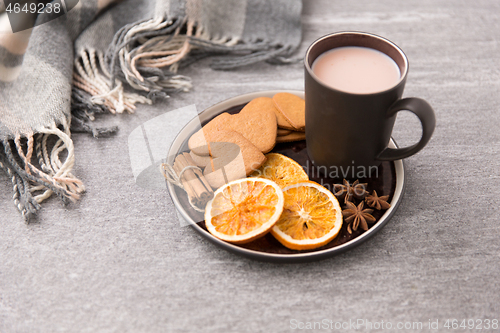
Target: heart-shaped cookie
<point>198,142</point>
<point>231,157</point>
<point>256,122</point>
<point>281,120</point>
<point>292,108</point>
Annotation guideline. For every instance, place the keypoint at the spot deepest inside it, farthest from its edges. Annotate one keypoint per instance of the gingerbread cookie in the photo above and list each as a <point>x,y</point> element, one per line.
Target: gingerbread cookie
<point>282,131</point>
<point>232,157</point>
<point>294,136</point>
<point>256,122</point>
<point>200,160</point>
<point>292,108</point>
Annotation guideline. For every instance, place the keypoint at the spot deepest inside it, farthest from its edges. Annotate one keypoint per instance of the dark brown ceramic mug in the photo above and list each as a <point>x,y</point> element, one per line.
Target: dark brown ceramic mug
<point>345,130</point>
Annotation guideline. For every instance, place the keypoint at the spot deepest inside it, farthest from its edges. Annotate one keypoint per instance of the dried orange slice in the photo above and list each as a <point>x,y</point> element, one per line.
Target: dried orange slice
<point>281,169</point>
<point>311,217</point>
<point>244,209</point>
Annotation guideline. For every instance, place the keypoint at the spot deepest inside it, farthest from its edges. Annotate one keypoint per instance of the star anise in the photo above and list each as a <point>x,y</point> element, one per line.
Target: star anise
<point>348,191</point>
<point>357,216</point>
<point>374,201</point>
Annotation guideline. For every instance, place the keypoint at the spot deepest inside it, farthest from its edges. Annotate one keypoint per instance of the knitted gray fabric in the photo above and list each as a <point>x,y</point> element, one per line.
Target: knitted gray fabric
<point>106,57</point>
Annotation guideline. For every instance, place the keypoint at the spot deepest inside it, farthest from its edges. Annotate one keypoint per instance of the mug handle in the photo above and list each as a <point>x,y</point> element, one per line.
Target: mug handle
<point>425,114</point>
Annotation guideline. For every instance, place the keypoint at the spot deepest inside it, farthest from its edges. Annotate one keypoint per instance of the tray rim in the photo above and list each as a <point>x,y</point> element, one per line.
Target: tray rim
<point>220,107</point>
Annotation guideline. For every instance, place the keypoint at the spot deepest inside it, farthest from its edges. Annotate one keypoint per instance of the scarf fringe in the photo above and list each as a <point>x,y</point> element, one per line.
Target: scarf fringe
<point>32,184</point>
<point>146,56</point>
<point>91,76</point>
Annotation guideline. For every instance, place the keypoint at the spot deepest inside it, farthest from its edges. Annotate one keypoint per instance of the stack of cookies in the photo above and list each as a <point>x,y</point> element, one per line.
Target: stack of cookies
<point>230,147</point>
<point>290,117</point>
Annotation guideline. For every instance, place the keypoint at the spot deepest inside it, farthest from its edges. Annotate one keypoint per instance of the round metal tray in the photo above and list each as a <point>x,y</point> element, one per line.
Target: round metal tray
<point>391,181</point>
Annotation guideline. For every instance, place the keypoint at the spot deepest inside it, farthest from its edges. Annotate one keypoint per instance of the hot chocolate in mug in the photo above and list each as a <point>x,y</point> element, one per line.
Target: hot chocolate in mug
<point>354,82</point>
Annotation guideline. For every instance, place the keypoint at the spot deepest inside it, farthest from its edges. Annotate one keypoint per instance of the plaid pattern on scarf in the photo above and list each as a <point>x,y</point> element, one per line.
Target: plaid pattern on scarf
<point>107,56</point>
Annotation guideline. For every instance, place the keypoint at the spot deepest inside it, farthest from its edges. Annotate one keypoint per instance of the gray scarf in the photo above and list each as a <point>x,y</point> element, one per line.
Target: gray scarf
<point>107,56</point>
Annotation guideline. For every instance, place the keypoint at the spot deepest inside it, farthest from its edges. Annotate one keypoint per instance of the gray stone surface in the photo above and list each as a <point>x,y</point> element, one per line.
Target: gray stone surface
<point>118,261</point>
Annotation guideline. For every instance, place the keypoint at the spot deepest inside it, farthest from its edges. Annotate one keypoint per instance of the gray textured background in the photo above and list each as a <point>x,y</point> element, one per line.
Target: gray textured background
<point>118,261</point>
